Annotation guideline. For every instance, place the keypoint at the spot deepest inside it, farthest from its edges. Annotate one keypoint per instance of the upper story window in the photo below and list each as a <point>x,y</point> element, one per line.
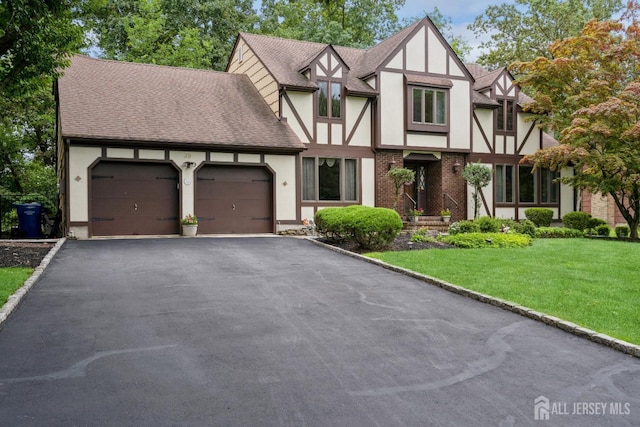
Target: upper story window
<point>429,106</point>
<point>329,99</point>
<point>505,115</point>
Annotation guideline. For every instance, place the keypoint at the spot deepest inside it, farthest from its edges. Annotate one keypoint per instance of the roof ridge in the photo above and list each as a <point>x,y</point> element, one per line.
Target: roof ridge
<point>146,64</point>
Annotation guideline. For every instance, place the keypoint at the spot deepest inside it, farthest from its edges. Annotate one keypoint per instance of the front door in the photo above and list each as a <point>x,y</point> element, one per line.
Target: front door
<point>418,189</point>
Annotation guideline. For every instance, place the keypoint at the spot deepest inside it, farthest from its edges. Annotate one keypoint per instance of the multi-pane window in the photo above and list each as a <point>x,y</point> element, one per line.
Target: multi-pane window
<point>329,99</point>
<point>548,188</point>
<point>328,178</point>
<point>429,106</point>
<point>504,184</point>
<point>505,115</point>
<point>527,187</point>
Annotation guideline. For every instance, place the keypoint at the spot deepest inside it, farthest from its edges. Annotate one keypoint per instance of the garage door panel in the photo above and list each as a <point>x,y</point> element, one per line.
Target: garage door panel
<point>134,198</point>
<point>234,199</point>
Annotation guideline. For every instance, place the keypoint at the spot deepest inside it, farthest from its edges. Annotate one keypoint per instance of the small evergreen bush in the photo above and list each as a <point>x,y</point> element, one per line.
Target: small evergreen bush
<point>603,230</point>
<point>622,231</point>
<point>558,233</point>
<point>541,217</point>
<point>464,226</point>
<point>593,223</point>
<point>488,224</point>
<point>371,228</point>
<point>525,227</point>
<point>487,240</point>
<point>576,220</point>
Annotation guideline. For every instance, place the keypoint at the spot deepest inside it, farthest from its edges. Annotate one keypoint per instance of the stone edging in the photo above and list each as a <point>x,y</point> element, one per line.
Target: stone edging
<point>14,300</point>
<point>570,327</point>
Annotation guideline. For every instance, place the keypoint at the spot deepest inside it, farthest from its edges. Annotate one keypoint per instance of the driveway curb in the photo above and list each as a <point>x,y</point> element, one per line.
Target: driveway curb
<point>620,345</point>
<point>14,300</point>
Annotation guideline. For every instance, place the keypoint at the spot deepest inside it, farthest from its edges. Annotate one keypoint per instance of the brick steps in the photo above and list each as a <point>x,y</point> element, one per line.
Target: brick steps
<point>431,222</point>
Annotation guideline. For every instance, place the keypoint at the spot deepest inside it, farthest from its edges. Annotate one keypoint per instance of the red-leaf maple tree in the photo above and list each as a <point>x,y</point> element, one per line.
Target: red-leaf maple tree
<point>589,95</point>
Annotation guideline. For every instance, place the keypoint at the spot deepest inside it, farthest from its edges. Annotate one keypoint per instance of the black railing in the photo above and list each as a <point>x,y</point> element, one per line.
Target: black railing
<point>50,222</point>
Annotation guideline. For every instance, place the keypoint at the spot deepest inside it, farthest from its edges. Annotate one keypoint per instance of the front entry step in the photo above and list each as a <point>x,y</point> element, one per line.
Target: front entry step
<point>430,222</point>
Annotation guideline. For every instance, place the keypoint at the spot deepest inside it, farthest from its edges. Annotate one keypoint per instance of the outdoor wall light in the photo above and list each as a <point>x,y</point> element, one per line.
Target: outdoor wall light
<point>456,167</point>
<point>392,164</point>
<point>188,164</point>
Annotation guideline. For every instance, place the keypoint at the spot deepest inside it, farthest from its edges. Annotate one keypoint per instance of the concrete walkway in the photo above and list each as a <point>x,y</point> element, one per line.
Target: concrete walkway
<point>278,331</point>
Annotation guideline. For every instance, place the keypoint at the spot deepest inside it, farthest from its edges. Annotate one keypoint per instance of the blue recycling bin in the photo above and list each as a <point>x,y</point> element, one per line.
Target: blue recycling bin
<point>29,219</point>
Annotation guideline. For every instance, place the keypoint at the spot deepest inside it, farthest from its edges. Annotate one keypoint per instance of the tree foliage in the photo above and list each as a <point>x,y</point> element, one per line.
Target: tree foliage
<point>37,38</point>
<point>189,33</point>
<point>478,176</point>
<point>522,30</point>
<point>355,23</point>
<point>590,93</point>
<point>400,177</point>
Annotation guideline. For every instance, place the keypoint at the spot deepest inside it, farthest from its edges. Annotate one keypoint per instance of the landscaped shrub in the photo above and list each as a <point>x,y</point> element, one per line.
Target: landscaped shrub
<point>525,227</point>
<point>371,228</point>
<point>375,228</point>
<point>487,240</point>
<point>576,220</point>
<point>622,231</point>
<point>488,224</point>
<point>603,230</point>
<point>558,232</point>
<point>541,217</point>
<point>421,236</point>
<point>464,226</point>
<point>593,223</point>
<point>335,223</point>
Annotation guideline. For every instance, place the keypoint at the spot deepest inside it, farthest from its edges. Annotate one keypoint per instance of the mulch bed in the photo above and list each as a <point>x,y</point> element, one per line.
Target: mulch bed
<point>401,243</point>
<point>23,254</point>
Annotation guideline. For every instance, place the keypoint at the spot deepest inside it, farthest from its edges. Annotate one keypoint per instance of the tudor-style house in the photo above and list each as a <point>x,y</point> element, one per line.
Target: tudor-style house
<point>293,127</point>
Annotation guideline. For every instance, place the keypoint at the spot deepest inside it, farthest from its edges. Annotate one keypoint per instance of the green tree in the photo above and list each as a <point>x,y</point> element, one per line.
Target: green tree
<point>590,93</point>
<point>189,33</point>
<point>522,30</point>
<point>36,38</point>
<point>478,176</point>
<point>444,24</point>
<point>356,23</point>
<point>400,177</point>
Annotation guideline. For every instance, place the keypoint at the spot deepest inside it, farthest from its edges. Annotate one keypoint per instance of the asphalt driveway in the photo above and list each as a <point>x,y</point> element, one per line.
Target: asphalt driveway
<point>278,331</point>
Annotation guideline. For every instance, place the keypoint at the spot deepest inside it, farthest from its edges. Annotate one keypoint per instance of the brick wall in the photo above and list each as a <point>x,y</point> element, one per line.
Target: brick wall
<point>385,192</point>
<point>453,184</point>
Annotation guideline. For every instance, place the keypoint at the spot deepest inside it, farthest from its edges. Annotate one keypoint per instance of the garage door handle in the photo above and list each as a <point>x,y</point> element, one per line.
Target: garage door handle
<point>233,207</point>
<point>135,206</point>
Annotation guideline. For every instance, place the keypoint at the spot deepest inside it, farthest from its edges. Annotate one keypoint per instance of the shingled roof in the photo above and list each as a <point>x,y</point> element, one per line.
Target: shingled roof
<point>115,100</point>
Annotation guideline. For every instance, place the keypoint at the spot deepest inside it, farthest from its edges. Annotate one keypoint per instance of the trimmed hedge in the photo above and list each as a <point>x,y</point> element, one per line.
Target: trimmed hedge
<point>371,228</point>
<point>558,233</point>
<point>487,240</point>
<point>541,217</point>
<point>623,231</point>
<point>576,220</point>
<point>488,224</point>
<point>464,226</point>
<point>603,230</point>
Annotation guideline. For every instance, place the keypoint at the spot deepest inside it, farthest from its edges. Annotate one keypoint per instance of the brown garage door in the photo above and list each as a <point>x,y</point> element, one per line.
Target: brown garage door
<point>234,199</point>
<point>134,198</point>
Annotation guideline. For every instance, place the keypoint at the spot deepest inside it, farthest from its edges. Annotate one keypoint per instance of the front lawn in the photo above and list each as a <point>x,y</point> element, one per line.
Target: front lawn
<point>595,284</point>
<point>10,281</point>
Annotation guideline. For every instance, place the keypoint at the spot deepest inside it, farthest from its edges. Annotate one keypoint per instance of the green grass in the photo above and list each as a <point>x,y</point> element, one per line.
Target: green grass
<point>10,280</point>
<point>595,284</point>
